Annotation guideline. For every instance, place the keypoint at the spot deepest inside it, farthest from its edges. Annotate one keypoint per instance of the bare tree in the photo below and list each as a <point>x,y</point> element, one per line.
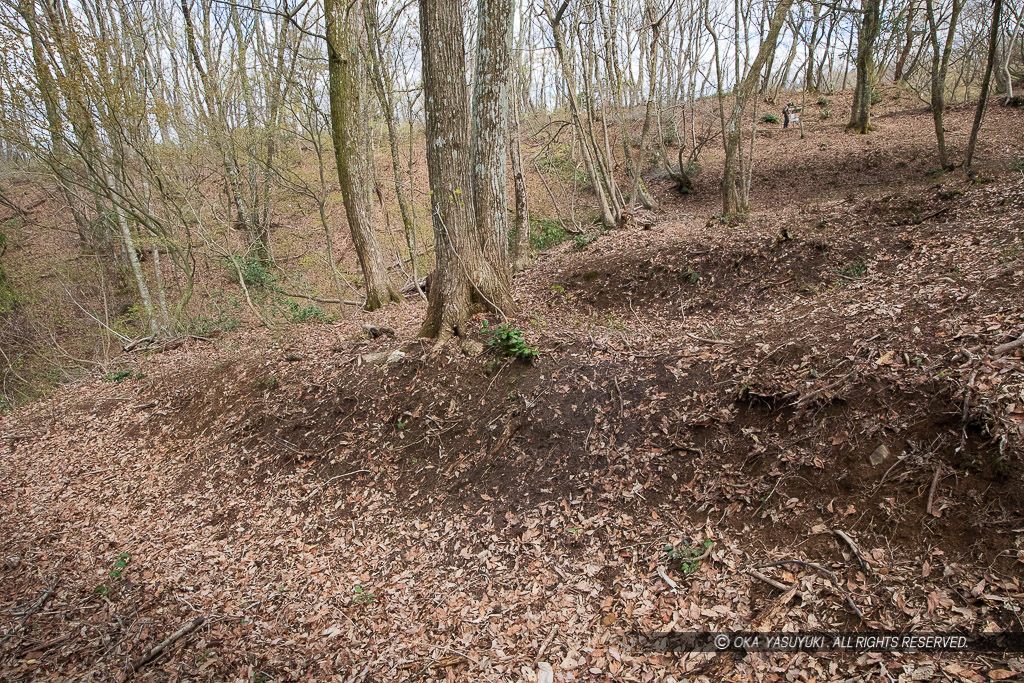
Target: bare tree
<point>350,133</point>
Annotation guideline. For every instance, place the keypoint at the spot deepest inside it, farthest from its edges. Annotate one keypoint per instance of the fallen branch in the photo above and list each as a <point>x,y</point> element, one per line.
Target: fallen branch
<point>933,214</point>
<point>770,581</point>
<point>1008,346</point>
<point>854,547</point>
<point>707,341</point>
<point>334,478</point>
<point>931,491</point>
<point>664,577</point>
<point>171,639</point>
<point>38,605</point>
<point>803,563</point>
<point>853,606</point>
<point>347,302</point>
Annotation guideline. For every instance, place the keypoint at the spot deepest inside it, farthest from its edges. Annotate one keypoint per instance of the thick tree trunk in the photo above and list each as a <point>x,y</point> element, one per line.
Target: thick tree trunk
<point>351,136</point>
<point>489,131</point>
<point>463,280</point>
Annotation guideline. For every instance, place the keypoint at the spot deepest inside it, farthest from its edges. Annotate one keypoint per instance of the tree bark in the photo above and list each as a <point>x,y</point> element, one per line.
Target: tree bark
<point>867,35</point>
<point>997,10</point>
<point>351,136</point>
<point>940,65</point>
<point>489,131</point>
<point>463,280</point>
<point>523,254</point>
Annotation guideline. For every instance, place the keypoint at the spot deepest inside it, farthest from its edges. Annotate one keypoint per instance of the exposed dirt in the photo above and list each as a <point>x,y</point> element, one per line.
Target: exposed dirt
<point>445,517</point>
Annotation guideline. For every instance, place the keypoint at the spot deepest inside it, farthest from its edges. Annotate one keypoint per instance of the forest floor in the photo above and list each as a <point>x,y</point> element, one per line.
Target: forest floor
<point>815,385</point>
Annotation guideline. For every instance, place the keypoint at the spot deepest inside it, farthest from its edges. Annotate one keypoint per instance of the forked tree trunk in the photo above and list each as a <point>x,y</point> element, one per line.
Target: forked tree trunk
<point>351,135</point>
<point>940,64</point>
<point>463,280</point>
<point>867,35</point>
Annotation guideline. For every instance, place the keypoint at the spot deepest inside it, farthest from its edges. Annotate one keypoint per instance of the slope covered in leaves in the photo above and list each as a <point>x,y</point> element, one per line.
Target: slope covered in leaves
<point>816,385</point>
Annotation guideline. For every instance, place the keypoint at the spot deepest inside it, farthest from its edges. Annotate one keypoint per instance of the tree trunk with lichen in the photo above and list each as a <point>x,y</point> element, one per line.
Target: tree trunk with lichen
<point>523,254</point>
<point>350,133</point>
<point>867,35</point>
<point>489,131</point>
<point>464,281</point>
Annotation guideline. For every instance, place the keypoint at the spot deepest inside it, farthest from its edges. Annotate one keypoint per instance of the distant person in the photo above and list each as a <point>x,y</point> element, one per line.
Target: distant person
<point>785,114</point>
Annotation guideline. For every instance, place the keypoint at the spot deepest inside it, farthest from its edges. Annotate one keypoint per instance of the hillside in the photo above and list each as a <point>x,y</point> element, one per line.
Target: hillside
<point>811,394</point>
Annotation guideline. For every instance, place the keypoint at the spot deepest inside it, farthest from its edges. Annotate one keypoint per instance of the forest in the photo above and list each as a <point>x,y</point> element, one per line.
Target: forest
<point>510,340</point>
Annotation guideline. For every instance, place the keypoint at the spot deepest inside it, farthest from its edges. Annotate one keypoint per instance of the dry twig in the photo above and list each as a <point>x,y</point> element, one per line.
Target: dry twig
<point>170,640</point>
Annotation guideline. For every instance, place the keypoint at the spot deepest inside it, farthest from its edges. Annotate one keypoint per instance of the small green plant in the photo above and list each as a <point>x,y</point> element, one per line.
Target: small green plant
<point>581,240</point>
<point>822,101</point>
<point>118,376</point>
<point>301,314</point>
<point>687,556</point>
<point>364,596</point>
<point>1010,253</point>
<point>120,565</point>
<point>826,113</point>
<point>546,233</point>
<point>688,274</point>
<point>508,341</point>
<point>769,118</point>
<point>558,289</point>
<point>855,270</point>
<point>614,322</point>
<point>876,96</point>
<point>254,273</point>
<point>268,383</point>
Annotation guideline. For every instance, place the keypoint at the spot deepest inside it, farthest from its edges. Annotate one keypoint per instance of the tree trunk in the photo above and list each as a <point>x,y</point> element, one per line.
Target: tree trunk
<point>351,136</point>
<point>489,132</point>
<point>993,42</point>
<point>940,65</point>
<point>867,35</point>
<point>734,198</point>
<point>463,281</point>
<point>522,243</point>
